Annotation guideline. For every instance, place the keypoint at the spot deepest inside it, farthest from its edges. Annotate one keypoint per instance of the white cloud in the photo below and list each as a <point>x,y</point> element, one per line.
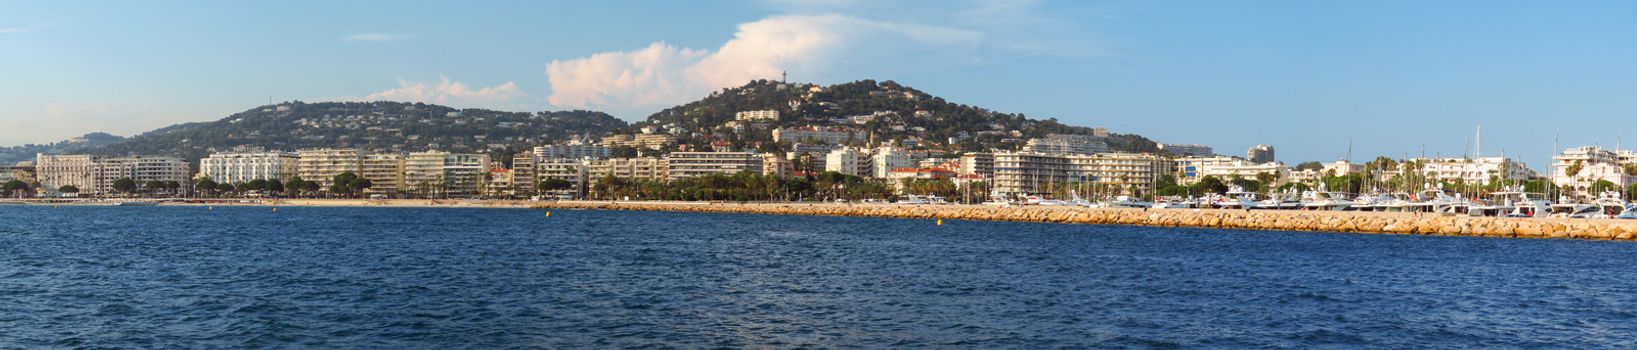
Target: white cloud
<point>375,37</point>
<point>660,75</point>
<point>451,93</point>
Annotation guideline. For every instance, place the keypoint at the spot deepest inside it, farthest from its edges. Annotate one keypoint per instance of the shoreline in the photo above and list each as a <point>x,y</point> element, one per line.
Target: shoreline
<point>1275,220</point>
<point>1267,220</point>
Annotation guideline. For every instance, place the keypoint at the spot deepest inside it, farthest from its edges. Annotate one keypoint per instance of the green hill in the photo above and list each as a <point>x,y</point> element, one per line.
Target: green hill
<point>895,112</point>
<point>386,126</point>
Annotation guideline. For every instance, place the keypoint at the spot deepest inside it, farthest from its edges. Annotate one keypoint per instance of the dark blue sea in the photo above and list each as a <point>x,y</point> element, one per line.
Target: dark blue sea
<point>247,277</point>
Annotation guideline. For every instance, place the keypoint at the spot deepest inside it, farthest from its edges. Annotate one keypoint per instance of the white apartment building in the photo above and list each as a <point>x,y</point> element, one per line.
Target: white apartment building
<point>523,170</point>
<point>886,159</point>
<point>1596,164</point>
<point>762,115</point>
<point>1260,154</point>
<point>385,172</point>
<point>1190,170</point>
<point>1123,172</point>
<point>241,167</point>
<point>632,169</point>
<point>1248,170</point>
<point>445,174</point>
<point>463,174</point>
<point>828,135</point>
<point>142,170</point>
<point>57,171</point>
<point>1340,168</point>
<point>1474,171</point>
<point>775,165</point>
<point>1017,172</point>
<point>979,164</point>
<point>1064,146</point>
<point>680,165</point>
<point>848,160</point>
<point>575,171</point>
<point>322,165</point>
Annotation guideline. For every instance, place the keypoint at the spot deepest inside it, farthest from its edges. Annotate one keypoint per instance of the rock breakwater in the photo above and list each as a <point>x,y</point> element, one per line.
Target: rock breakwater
<point>1322,221</point>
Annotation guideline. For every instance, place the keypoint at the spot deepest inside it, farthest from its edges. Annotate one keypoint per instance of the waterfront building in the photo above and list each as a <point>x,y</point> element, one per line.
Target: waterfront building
<point>848,160</point>
<point>573,171</point>
<point>816,156</point>
<point>680,165</point>
<point>1063,144</point>
<point>463,174</point>
<point>445,174</point>
<point>1190,170</point>
<point>244,166</point>
<point>56,171</point>
<point>828,135</point>
<point>981,164</point>
<point>322,165</point>
<point>887,159</point>
<point>1308,177</point>
<point>1187,150</point>
<point>1127,173</point>
<point>523,180</point>
<point>1260,154</point>
<point>499,183</point>
<point>1581,167</point>
<point>762,115</point>
<point>1248,170</point>
<point>774,164</point>
<point>899,175</point>
<point>142,170</point>
<point>423,173</point>
<point>1020,172</point>
<point>1479,171</point>
<point>385,172</point>
<point>573,151</point>
<point>630,169</point>
<point>1340,168</point>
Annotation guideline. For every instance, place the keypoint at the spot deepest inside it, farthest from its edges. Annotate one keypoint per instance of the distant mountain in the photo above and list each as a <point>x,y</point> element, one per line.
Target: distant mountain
<point>12,155</point>
<point>386,126</point>
<point>886,109</point>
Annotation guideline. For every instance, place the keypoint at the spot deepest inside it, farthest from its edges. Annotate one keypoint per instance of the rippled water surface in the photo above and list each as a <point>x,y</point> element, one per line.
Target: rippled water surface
<point>186,277</point>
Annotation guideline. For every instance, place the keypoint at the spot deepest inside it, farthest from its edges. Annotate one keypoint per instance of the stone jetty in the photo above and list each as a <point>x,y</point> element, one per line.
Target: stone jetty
<point>1283,220</point>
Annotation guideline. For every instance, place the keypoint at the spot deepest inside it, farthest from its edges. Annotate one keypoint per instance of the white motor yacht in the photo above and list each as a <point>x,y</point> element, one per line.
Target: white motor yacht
<point>1629,214</point>
<point>1128,202</point>
<point>1281,201</point>
<point>1319,200</point>
<point>1512,204</point>
<point>1236,198</point>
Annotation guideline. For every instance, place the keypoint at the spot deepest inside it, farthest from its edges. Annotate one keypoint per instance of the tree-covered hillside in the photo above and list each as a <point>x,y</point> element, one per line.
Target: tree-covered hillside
<point>383,126</point>
<point>885,109</point>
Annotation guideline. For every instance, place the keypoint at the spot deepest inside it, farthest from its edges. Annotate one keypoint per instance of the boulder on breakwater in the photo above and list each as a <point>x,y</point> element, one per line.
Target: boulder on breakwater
<point>1285,220</point>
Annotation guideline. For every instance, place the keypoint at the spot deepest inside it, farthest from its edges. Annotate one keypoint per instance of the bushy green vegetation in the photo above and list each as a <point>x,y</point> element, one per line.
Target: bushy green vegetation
<point>368,125</point>
<point>941,119</point>
<point>745,186</point>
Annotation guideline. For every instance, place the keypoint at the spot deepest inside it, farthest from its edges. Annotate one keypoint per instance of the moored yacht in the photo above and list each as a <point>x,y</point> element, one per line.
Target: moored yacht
<point>1281,201</point>
<point>1321,200</point>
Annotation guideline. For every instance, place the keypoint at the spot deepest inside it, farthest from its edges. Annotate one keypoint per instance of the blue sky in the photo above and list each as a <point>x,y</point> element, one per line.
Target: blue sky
<point>1306,77</point>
